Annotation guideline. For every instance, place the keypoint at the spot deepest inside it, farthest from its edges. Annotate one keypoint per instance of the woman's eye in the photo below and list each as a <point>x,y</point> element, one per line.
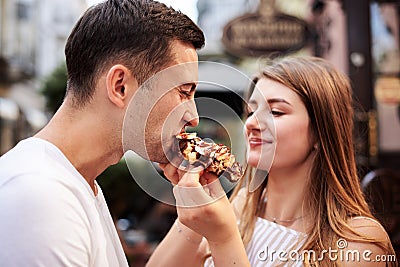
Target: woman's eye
<point>276,113</point>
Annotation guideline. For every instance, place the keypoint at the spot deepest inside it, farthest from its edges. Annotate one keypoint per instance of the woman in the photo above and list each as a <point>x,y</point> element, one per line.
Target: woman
<point>310,210</point>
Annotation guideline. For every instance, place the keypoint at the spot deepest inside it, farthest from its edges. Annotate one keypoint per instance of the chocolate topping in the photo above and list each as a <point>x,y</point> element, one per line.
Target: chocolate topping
<point>216,158</point>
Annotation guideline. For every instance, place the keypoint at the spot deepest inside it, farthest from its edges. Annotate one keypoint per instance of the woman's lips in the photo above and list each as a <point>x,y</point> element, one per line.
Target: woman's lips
<point>258,142</point>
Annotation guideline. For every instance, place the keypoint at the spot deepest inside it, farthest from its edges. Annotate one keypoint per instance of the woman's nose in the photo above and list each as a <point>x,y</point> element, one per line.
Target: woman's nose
<point>252,123</point>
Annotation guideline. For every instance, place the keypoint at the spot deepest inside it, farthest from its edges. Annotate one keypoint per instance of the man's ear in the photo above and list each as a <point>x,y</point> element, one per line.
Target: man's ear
<point>119,83</point>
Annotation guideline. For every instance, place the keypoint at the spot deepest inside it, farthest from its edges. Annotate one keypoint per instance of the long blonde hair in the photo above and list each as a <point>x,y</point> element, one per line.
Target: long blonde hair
<point>334,194</point>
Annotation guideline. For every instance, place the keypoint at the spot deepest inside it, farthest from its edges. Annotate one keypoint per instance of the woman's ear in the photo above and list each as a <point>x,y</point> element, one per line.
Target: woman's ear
<point>315,143</point>
<point>118,82</point>
<point>315,147</point>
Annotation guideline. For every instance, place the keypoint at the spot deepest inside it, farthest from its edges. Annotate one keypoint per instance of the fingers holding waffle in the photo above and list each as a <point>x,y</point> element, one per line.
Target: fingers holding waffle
<point>215,158</point>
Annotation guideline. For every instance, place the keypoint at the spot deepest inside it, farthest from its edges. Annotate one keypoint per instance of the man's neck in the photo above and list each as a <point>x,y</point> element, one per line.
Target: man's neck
<point>84,141</point>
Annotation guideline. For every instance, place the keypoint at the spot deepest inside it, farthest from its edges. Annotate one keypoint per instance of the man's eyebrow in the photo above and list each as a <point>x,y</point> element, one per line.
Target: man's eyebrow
<point>277,100</point>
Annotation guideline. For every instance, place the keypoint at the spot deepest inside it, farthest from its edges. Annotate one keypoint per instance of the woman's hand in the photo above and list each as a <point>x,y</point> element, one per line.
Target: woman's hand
<point>201,202</point>
<point>202,206</point>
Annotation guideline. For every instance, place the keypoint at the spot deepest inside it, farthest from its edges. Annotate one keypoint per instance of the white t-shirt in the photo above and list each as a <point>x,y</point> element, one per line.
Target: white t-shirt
<point>49,215</point>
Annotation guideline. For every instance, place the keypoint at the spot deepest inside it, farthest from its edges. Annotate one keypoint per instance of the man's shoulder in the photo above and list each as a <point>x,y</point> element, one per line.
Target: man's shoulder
<point>32,158</point>
<point>34,196</point>
<point>28,172</point>
<point>26,157</point>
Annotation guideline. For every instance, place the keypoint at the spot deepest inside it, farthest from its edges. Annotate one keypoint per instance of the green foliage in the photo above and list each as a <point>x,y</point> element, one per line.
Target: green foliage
<point>122,193</point>
<point>54,87</point>
<point>117,181</point>
<point>4,69</point>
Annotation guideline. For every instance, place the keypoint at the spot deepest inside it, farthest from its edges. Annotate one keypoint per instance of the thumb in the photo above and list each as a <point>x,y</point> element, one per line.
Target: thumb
<point>189,192</point>
<point>190,174</point>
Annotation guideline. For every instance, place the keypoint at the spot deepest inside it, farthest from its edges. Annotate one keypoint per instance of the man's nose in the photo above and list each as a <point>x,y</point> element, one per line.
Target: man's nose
<point>193,123</point>
<point>191,116</point>
<point>191,119</point>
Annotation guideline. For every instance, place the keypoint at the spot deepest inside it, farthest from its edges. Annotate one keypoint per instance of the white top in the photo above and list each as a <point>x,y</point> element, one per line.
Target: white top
<point>272,245</point>
<point>49,215</point>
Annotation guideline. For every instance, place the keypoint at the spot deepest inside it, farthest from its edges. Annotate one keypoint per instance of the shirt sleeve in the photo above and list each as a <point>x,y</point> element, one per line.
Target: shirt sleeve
<point>42,224</point>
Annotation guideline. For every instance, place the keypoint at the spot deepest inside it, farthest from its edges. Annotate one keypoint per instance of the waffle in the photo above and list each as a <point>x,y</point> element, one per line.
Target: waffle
<point>215,158</point>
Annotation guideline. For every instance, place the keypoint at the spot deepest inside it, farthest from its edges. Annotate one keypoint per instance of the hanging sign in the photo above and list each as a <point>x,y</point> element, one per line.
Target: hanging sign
<point>265,32</point>
<point>387,90</point>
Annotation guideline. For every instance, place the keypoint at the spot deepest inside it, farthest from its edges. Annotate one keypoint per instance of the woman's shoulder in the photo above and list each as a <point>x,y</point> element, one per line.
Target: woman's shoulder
<point>368,227</point>
<point>371,252</point>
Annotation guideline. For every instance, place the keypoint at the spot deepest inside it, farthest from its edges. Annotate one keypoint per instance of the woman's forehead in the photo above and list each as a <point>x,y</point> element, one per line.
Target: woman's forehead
<point>266,89</point>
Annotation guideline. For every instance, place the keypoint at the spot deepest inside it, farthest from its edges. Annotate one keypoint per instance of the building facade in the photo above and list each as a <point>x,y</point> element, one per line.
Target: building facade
<point>32,38</point>
<point>33,33</point>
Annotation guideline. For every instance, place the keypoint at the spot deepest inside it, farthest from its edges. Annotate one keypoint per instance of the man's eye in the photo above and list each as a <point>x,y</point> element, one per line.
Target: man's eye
<point>249,114</point>
<point>186,93</point>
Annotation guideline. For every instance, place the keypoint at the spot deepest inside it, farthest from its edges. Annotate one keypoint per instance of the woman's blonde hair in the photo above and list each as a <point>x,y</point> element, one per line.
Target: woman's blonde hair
<point>334,194</point>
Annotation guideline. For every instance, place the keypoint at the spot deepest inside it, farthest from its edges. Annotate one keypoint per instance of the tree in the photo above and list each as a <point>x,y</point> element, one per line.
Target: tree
<point>54,87</point>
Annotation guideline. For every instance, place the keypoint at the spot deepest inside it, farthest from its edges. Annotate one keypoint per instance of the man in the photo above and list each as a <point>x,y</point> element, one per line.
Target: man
<point>53,212</point>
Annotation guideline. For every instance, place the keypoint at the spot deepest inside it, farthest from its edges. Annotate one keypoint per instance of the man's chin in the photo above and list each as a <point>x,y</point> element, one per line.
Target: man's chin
<point>160,157</point>
<point>172,158</point>
<point>165,152</point>
<point>163,160</point>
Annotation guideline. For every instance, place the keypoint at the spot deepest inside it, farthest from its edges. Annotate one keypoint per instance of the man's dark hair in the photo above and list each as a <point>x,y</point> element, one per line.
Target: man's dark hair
<point>135,33</point>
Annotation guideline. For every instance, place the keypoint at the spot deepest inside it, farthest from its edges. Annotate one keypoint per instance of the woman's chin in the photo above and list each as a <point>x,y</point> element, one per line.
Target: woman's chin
<point>255,163</point>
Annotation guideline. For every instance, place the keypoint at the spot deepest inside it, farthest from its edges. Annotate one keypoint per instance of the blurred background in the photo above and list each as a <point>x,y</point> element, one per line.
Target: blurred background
<point>361,37</point>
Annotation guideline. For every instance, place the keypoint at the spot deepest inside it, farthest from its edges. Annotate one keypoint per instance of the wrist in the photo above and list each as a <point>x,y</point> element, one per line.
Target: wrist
<point>188,233</point>
<point>234,237</point>
<point>229,252</point>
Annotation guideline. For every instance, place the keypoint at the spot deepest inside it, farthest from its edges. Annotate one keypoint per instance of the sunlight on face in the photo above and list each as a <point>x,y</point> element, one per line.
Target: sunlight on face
<point>166,96</point>
<point>291,121</point>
